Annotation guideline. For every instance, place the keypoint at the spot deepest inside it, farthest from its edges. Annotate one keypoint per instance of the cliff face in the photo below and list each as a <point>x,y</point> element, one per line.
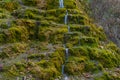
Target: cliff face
<point>46,40</point>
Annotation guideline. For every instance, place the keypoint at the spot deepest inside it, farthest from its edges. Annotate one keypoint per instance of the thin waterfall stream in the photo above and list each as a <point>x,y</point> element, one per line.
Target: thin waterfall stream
<point>61,3</point>
<point>66,18</point>
<point>65,77</point>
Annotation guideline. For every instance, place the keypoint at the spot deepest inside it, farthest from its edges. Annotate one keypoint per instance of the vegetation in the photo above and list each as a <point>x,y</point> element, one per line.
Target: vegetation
<point>32,35</point>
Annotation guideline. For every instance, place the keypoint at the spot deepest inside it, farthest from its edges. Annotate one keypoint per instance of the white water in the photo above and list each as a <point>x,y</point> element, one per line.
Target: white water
<point>66,17</point>
<point>61,4</point>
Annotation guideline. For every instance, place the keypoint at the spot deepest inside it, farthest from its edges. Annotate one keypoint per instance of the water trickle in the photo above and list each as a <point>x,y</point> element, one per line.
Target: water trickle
<point>68,28</point>
<point>66,17</point>
<point>61,4</point>
<point>67,52</point>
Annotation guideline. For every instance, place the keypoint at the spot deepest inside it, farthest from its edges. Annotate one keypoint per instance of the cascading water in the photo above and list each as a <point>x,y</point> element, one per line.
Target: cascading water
<point>66,17</point>
<point>63,66</point>
<point>61,4</point>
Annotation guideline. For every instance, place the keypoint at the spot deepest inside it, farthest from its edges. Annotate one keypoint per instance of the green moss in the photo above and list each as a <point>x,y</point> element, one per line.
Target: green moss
<point>31,26</point>
<point>30,2</point>
<point>98,33</point>
<point>80,28</point>
<point>49,34</point>
<point>90,41</point>
<point>79,51</point>
<point>15,34</point>
<point>43,20</point>
<point>76,19</point>
<point>57,59</point>
<point>93,66</point>
<point>36,56</point>
<point>52,4</point>
<point>2,38</point>
<point>10,6</point>
<point>13,50</point>
<point>106,57</point>
<point>70,4</point>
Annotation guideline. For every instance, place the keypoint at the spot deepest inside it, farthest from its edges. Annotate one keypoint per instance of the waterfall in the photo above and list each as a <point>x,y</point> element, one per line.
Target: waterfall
<point>68,28</point>
<point>61,4</point>
<point>66,17</point>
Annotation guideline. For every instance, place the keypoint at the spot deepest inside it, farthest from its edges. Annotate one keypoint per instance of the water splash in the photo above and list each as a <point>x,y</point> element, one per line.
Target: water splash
<point>66,17</point>
<point>61,3</point>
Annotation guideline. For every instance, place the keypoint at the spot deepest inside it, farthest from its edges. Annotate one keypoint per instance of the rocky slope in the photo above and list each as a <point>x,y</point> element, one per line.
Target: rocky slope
<point>41,40</point>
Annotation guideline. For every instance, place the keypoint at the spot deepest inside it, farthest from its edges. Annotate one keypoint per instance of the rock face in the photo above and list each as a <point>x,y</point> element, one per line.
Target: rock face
<point>42,41</point>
